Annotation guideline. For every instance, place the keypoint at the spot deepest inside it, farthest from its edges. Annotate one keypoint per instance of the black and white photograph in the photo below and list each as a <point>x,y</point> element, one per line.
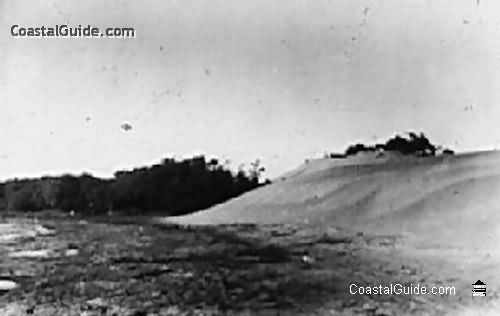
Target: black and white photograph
<point>249,157</point>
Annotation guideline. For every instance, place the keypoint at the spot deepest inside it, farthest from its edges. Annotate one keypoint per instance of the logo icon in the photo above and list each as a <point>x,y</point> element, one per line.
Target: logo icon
<point>479,288</point>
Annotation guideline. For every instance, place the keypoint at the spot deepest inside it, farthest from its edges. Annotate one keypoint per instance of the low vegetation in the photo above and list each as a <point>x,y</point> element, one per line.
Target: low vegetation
<point>236,270</point>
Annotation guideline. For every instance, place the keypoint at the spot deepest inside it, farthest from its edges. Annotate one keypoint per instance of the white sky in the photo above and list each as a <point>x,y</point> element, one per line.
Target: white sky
<point>276,80</point>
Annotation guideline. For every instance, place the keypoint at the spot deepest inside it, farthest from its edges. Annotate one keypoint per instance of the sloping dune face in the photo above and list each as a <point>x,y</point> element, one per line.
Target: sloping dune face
<point>447,198</point>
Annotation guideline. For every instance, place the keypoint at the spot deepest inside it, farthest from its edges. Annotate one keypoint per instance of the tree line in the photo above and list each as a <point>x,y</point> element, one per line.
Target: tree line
<point>172,187</point>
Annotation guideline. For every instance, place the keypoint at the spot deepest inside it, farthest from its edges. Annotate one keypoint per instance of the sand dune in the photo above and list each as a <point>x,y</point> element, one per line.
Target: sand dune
<point>449,199</point>
<point>443,214</point>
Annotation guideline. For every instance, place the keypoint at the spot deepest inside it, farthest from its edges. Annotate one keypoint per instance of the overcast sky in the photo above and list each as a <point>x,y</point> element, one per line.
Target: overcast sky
<point>276,80</point>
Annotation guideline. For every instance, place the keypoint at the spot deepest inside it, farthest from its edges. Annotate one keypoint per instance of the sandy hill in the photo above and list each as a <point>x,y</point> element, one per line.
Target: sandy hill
<point>451,199</point>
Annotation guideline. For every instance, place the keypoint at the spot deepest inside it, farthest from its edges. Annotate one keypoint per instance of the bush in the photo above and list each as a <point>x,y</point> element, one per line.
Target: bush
<point>354,149</point>
<point>337,156</point>
<point>418,145</point>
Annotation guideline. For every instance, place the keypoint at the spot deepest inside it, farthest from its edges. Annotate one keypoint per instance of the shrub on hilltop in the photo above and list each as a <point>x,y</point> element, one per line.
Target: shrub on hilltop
<point>413,144</point>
